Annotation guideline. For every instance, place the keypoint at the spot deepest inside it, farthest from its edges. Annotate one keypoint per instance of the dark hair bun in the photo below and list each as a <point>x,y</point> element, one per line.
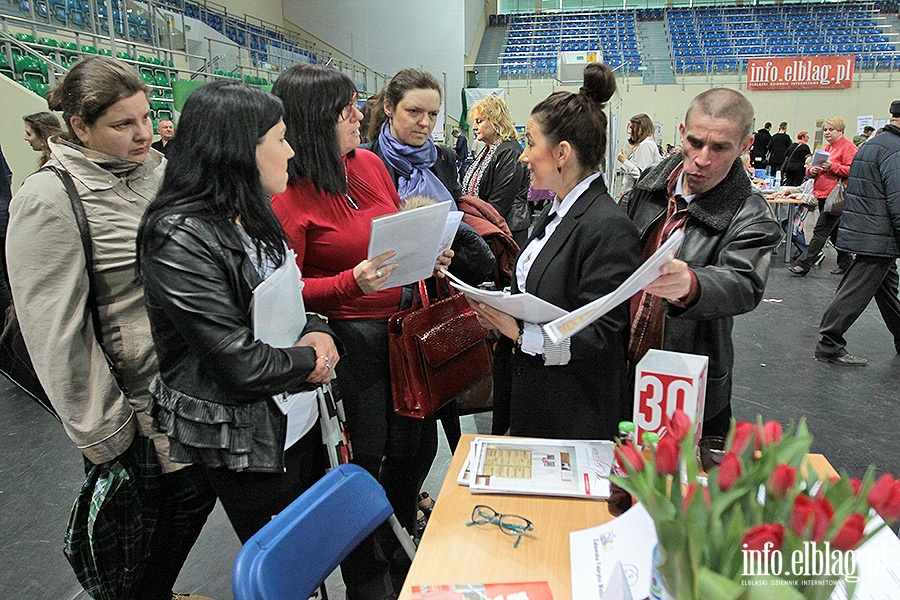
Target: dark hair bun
<point>599,82</point>
<point>54,99</point>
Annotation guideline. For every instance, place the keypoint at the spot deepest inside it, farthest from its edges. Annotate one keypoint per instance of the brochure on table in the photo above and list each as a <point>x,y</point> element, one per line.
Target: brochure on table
<point>418,236</point>
<point>521,306</point>
<point>532,590</point>
<point>544,467</point>
<point>646,274</point>
<point>597,553</point>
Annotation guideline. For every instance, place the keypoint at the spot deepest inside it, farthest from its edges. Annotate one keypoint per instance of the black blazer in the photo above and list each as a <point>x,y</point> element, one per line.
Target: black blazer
<point>592,251</point>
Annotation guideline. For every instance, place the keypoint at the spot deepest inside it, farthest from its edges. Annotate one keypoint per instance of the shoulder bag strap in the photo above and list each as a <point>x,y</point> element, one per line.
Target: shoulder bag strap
<point>85,230</point>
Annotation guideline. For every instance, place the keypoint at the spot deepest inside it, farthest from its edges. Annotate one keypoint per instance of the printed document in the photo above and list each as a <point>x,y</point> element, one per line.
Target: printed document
<point>819,157</point>
<point>570,324</point>
<point>279,317</point>
<point>625,542</point>
<point>544,467</point>
<point>520,306</point>
<point>416,235</point>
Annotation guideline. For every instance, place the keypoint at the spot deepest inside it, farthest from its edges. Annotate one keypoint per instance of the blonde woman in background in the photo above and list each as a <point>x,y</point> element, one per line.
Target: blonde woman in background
<point>497,176</point>
<point>642,152</point>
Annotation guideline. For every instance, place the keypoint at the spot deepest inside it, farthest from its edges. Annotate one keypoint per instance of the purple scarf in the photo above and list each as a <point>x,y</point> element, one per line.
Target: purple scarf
<point>412,165</point>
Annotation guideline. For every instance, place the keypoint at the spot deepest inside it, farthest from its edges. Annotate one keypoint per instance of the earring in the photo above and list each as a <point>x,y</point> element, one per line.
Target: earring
<point>559,168</point>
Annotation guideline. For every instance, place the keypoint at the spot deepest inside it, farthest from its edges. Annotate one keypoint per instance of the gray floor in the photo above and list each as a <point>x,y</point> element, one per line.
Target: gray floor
<point>851,413</point>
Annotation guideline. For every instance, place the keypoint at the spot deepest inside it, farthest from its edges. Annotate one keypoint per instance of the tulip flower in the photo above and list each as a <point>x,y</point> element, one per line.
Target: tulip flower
<point>679,425</point>
<point>628,454</point>
<point>782,480</point>
<point>758,535</point>
<point>729,471</point>
<point>667,454</point>
<point>686,502</point>
<point>850,533</point>
<point>742,434</point>
<point>771,433</point>
<point>807,512</point>
<point>856,484</point>
<point>884,497</point>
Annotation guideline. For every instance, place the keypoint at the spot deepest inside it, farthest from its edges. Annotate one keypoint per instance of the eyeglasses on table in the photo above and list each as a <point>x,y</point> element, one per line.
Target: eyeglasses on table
<point>508,524</point>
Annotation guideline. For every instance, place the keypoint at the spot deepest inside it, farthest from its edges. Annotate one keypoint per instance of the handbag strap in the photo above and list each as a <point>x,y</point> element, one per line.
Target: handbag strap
<point>84,229</point>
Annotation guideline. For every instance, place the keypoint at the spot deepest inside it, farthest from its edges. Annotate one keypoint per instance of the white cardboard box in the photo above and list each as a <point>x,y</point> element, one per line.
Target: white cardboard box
<point>665,381</point>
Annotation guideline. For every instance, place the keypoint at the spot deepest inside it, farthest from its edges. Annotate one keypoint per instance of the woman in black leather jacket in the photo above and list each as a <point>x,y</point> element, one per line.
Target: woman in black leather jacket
<point>497,176</point>
<point>207,240</point>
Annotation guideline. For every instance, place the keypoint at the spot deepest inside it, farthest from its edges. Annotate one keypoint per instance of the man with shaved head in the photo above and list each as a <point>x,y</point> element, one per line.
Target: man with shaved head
<point>729,235</point>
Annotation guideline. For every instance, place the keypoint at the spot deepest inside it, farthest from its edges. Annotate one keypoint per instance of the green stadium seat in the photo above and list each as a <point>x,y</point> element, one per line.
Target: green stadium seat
<point>29,64</point>
<point>70,49</point>
<point>88,49</point>
<point>4,66</point>
<point>155,61</point>
<point>142,59</point>
<point>26,38</point>
<point>123,55</point>
<point>105,52</point>
<point>148,78</point>
<point>162,79</point>
<point>171,64</point>
<point>50,46</point>
<point>221,73</point>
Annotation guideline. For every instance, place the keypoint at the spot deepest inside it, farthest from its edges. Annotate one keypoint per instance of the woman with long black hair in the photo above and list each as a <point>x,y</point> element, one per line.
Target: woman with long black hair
<point>206,242</point>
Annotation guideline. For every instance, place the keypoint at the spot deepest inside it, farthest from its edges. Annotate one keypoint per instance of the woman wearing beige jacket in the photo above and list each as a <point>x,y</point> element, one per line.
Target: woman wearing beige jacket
<point>107,154</point>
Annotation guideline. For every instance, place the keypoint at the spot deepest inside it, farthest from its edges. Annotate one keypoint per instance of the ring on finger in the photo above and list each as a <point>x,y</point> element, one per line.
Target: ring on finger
<point>378,273</point>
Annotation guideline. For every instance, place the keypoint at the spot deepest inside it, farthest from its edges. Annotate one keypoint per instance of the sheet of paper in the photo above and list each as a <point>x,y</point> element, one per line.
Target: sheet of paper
<point>279,317</point>
<point>415,235</point>
<point>542,467</point>
<point>878,567</point>
<point>819,157</point>
<point>521,306</point>
<point>596,552</point>
<point>454,218</point>
<point>577,320</point>
<point>466,471</point>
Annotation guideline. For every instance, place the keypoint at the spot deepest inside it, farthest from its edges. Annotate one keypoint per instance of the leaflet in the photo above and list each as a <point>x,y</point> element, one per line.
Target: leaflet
<point>544,467</point>
<point>819,157</point>
<point>416,235</point>
<point>597,555</point>
<point>570,324</point>
<point>522,306</point>
<point>279,317</point>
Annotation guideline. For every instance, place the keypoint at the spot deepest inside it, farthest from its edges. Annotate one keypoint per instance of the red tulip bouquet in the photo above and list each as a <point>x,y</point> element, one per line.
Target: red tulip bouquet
<point>760,527</point>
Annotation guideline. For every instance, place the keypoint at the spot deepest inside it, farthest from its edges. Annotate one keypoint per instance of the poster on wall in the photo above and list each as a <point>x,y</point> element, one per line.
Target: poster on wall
<point>800,73</point>
<point>863,121</point>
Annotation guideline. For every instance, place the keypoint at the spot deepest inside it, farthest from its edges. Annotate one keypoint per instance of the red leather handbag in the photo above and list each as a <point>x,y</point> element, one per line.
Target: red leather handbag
<point>437,350</point>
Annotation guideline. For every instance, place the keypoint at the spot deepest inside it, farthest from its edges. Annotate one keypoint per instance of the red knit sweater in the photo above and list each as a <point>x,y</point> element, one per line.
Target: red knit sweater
<point>330,237</point>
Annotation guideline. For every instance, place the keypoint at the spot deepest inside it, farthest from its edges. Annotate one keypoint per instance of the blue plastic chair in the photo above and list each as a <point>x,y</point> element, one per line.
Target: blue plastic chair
<point>292,555</point>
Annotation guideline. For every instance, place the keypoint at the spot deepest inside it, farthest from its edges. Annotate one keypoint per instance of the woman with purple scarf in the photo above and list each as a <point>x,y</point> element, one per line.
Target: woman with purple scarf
<point>403,117</point>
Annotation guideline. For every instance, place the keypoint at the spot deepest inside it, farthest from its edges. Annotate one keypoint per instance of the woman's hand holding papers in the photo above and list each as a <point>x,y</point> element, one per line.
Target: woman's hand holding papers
<point>327,356</point>
<point>674,281</point>
<point>371,275</point>
<point>491,318</point>
<point>443,261</point>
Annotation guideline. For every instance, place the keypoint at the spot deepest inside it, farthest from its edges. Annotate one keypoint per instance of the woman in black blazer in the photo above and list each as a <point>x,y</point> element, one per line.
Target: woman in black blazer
<point>582,248</point>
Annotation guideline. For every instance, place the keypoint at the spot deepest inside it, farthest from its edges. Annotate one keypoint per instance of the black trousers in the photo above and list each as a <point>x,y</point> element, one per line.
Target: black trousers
<point>251,499</point>
<point>187,499</point>
<point>398,451</point>
<point>868,277</point>
<point>826,227</point>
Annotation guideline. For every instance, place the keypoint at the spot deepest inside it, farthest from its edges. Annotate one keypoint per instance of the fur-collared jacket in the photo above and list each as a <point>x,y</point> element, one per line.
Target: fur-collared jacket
<point>728,242</point>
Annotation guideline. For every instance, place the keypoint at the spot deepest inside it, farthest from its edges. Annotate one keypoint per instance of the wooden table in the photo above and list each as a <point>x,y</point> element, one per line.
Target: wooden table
<point>791,204</point>
<point>450,552</point>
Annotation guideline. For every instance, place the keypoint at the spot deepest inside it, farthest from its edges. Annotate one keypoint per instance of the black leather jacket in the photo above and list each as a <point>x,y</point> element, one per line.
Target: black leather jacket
<point>505,185</point>
<point>214,393</point>
<point>728,243</point>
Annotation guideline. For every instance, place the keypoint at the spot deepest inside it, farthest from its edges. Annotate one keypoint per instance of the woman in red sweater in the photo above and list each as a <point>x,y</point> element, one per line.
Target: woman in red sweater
<point>836,169</point>
<point>334,192</point>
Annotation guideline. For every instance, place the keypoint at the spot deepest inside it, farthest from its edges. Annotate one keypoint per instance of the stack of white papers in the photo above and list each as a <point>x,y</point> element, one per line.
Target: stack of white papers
<point>544,467</point>
<point>522,306</point>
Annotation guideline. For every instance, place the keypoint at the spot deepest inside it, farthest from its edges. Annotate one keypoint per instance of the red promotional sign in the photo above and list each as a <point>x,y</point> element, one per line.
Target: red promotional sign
<point>800,73</point>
